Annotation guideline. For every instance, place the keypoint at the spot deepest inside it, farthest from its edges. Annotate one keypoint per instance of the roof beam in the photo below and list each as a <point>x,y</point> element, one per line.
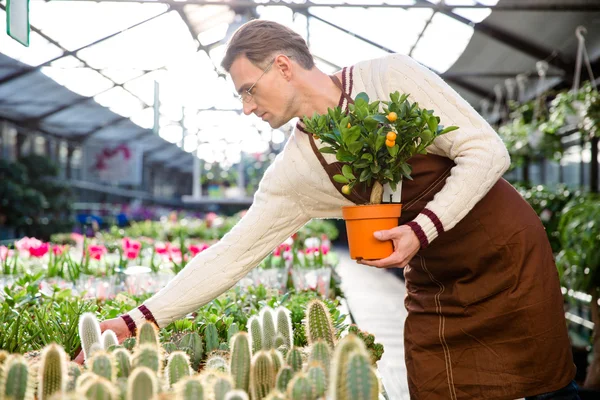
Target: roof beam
<point>88,134</point>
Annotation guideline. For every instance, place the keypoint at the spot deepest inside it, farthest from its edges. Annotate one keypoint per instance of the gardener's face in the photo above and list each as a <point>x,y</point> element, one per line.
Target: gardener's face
<point>266,92</point>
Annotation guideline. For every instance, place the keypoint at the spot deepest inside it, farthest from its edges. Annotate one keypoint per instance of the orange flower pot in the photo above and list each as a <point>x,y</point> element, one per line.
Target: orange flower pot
<point>362,222</point>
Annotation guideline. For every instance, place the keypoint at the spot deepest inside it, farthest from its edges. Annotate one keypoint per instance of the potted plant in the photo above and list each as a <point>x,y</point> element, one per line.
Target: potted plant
<point>374,140</point>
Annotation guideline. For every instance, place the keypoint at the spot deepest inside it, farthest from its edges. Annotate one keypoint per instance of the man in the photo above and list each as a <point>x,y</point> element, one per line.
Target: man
<point>485,314</point>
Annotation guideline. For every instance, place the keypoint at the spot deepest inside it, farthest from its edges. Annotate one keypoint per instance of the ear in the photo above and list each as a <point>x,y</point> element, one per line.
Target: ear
<point>284,66</point>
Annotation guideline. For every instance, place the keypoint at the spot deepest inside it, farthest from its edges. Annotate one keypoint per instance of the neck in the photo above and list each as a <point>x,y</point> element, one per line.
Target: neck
<point>318,93</point>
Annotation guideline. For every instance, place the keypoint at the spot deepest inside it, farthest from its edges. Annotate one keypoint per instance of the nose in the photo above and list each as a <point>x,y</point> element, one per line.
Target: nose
<point>249,107</point>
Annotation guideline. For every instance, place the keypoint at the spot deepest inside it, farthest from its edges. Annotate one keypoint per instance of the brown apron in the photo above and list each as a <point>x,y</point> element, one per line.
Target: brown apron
<point>485,310</point>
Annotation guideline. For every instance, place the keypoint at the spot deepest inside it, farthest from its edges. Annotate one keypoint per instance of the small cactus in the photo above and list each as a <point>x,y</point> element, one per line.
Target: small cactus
<point>320,353</point>
<point>216,363</point>
<point>98,388</point>
<point>294,359</point>
<point>222,386</point>
<point>52,374</point>
<point>96,347</point>
<point>129,343</point>
<point>147,356</point>
<point>211,336</point>
<point>103,364</point>
<point>16,382</point>
<point>268,328</point>
<point>360,381</point>
<point>300,388</point>
<point>189,388</point>
<point>255,331</point>
<point>277,359</point>
<point>262,376</point>
<point>108,339</point>
<point>223,346</point>
<point>236,395</point>
<point>83,379</point>
<point>340,361</point>
<point>318,323</point>
<point>193,346</point>
<point>233,329</point>
<point>147,333</point>
<point>169,347</point>
<point>74,371</point>
<point>279,341</point>
<point>318,379</point>
<point>142,384</point>
<point>123,362</point>
<point>284,326</point>
<point>284,377</point>
<point>68,396</point>
<point>89,333</point>
<point>240,361</point>
<point>178,366</point>
<point>275,395</point>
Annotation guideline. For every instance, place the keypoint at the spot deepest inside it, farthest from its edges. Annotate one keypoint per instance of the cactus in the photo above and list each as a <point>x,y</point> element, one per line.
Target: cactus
<point>189,388</point>
<point>52,374</point>
<point>147,333</point>
<point>262,376</point>
<point>275,395</point>
<point>108,339</point>
<point>222,386</point>
<point>123,362</point>
<point>83,379</point>
<point>16,382</point>
<point>240,361</point>
<point>178,366</point>
<point>318,379</point>
<point>294,359</point>
<point>129,343</point>
<point>236,395</point>
<point>169,347</point>
<point>103,364</point>
<point>147,356</point>
<point>217,363</point>
<point>233,329</point>
<point>375,349</point>
<point>284,377</point>
<point>74,371</point>
<point>268,328</point>
<point>3,356</point>
<point>68,396</point>
<point>89,333</point>
<point>279,341</point>
<point>223,346</point>
<point>98,388</point>
<point>284,326</point>
<point>300,388</point>
<point>318,323</point>
<point>277,360</point>
<point>96,347</point>
<point>211,336</point>
<point>360,381</point>
<point>142,384</point>
<point>320,353</point>
<point>193,346</point>
<point>340,361</point>
<point>255,331</point>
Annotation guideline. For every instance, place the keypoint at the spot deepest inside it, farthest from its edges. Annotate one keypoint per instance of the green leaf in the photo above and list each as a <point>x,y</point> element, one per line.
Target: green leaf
<point>375,168</point>
<point>393,150</point>
<point>367,156</point>
<point>340,179</point>
<point>448,129</point>
<point>344,156</point>
<point>361,164</point>
<point>380,118</point>
<point>406,170</point>
<point>395,96</point>
<point>366,174</point>
<point>432,123</point>
<point>380,142</point>
<point>353,134</point>
<point>355,147</point>
<point>347,171</point>
<point>388,175</point>
<point>327,150</point>
<point>361,96</point>
<point>370,123</point>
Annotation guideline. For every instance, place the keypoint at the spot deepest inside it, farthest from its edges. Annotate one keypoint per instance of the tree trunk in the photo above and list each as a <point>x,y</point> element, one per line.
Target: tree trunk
<point>592,379</point>
<point>376,193</point>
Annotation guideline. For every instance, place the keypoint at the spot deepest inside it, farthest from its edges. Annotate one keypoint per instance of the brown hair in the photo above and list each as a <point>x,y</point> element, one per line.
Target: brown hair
<point>258,40</point>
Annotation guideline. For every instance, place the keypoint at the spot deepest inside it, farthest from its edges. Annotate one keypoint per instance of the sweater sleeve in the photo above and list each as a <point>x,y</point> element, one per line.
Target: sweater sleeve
<point>480,156</point>
<point>273,217</point>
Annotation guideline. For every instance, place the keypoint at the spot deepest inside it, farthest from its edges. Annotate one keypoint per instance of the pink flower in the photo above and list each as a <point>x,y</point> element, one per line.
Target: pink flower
<point>96,251</point>
<point>40,250</point>
<point>129,244</point>
<point>309,250</point>
<point>4,252</point>
<point>195,249</point>
<point>26,243</point>
<point>58,249</point>
<point>325,249</point>
<point>277,251</point>
<point>77,237</point>
<point>132,254</point>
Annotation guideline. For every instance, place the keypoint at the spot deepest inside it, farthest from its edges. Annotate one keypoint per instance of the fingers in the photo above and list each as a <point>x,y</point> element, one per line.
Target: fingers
<point>79,359</point>
<point>395,260</point>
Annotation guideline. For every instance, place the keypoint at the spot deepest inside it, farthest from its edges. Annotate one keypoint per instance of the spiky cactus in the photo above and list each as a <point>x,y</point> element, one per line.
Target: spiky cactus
<point>147,334</point>
<point>178,367</point>
<point>300,388</point>
<point>74,372</point>
<point>98,388</point>
<point>317,377</point>
<point>262,375</point>
<point>217,363</point>
<point>68,396</point>
<point>16,382</point>
<point>194,347</point>
<point>277,359</point>
<point>320,353</point>
<point>294,359</point>
<point>169,347</point>
<point>240,361</point>
<point>52,374</point>
<point>123,362</point>
<point>233,329</point>
<point>255,331</point>
<point>89,333</point>
<point>222,385</point>
<point>189,388</point>
<point>147,356</point>
<point>236,395</point>
<point>83,379</point>
<point>284,377</point>
<point>129,343</point>
<point>275,395</point>
<point>142,384</point>
<point>360,381</point>
<point>211,336</point>
<point>318,323</point>
<point>341,361</point>
<point>268,328</point>
<point>108,339</point>
<point>103,364</point>
<point>284,326</point>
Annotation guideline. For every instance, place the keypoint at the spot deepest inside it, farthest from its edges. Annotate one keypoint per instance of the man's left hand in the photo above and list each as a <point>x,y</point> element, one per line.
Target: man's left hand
<point>406,245</point>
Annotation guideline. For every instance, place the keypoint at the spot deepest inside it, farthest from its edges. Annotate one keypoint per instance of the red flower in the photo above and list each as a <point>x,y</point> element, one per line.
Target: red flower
<point>324,249</point>
<point>96,251</point>
<point>58,250</point>
<point>195,249</point>
<point>277,251</point>
<point>40,250</point>
<point>132,254</point>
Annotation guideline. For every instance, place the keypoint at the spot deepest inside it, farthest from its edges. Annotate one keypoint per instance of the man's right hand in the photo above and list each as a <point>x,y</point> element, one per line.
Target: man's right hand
<point>117,325</point>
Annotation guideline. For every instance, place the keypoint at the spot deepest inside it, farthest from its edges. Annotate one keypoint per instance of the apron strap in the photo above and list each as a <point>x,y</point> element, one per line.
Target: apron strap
<point>337,82</point>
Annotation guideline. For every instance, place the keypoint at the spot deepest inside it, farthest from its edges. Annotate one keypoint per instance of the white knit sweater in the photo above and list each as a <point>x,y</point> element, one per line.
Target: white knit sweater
<point>296,188</point>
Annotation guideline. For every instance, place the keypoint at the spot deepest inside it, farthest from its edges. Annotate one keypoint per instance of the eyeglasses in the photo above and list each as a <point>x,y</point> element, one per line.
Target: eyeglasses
<point>247,95</point>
